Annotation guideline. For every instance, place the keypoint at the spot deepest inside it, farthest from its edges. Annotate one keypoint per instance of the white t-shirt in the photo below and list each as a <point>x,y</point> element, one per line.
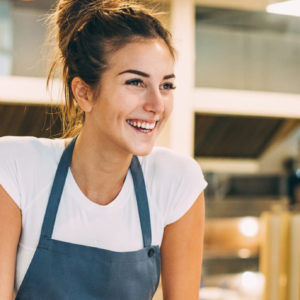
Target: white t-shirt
<point>27,169</point>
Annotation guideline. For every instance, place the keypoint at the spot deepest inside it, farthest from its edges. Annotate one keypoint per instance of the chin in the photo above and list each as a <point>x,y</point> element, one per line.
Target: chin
<point>142,151</point>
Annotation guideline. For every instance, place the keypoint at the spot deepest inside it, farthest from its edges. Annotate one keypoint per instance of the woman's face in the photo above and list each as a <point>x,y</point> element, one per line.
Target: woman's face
<point>135,98</point>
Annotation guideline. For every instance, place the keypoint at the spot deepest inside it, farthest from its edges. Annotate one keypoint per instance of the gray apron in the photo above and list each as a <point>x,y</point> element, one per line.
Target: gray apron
<point>61,270</point>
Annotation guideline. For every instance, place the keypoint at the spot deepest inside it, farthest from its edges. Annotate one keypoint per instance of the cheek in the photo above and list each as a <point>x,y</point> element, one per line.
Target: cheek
<point>169,105</point>
<point>126,97</point>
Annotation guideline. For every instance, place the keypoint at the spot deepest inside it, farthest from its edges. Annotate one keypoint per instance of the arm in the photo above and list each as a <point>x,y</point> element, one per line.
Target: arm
<point>181,254</point>
<point>10,229</point>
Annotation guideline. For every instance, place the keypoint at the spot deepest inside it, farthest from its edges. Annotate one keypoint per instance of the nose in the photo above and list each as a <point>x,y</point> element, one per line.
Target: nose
<point>154,101</point>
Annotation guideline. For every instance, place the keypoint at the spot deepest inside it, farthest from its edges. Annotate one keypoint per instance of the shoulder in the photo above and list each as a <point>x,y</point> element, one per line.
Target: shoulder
<point>26,164</point>
<point>29,147</point>
<point>165,161</point>
<point>173,180</point>
<point>25,142</point>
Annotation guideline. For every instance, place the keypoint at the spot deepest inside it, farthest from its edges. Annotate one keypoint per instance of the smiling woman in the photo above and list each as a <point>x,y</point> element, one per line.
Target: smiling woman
<point>101,215</point>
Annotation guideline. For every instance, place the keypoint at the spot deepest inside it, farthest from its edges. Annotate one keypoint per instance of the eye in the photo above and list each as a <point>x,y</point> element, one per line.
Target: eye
<point>136,82</point>
<point>168,86</point>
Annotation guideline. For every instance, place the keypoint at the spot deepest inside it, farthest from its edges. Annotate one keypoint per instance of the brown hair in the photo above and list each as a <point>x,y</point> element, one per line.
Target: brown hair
<point>85,31</point>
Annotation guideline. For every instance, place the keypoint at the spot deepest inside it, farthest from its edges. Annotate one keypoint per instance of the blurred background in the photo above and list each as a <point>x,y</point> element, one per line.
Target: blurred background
<point>237,112</point>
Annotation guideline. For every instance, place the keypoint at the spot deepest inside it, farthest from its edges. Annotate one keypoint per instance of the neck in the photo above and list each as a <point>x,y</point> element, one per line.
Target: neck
<point>98,169</point>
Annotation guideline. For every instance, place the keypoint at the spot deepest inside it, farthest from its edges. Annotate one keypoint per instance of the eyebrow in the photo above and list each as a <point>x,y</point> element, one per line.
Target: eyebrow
<point>144,74</point>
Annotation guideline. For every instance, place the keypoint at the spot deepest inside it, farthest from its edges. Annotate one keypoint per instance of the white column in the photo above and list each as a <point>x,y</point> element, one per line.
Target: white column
<point>6,37</point>
<point>183,31</point>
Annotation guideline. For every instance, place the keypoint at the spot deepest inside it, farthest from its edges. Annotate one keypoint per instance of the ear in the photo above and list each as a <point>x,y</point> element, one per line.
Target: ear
<point>82,93</point>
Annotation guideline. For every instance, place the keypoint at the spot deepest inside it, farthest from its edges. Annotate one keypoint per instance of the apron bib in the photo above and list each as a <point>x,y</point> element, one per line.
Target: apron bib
<point>67,271</point>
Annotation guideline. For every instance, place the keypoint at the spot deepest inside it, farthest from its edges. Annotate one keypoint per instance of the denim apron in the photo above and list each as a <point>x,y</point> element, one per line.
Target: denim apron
<point>67,271</point>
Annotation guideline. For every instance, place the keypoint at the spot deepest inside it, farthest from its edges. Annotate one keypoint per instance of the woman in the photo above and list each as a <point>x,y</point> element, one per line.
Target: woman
<point>98,216</point>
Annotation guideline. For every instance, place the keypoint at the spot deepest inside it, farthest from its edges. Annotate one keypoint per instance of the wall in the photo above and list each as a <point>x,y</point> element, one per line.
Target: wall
<point>249,58</point>
<point>29,33</point>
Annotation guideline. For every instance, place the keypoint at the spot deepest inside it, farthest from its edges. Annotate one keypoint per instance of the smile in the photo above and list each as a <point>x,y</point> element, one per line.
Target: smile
<point>142,126</point>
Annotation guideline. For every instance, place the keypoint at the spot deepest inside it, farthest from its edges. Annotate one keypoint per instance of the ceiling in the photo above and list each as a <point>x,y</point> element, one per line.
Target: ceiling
<point>238,137</point>
<point>244,20</point>
<point>232,4</point>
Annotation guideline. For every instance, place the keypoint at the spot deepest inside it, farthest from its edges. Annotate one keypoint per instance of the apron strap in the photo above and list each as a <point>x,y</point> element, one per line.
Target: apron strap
<point>59,182</point>
<point>56,191</point>
<point>142,200</point>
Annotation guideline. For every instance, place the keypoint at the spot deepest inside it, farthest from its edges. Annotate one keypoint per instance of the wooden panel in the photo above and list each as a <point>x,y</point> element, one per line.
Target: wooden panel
<point>231,136</point>
<point>30,120</point>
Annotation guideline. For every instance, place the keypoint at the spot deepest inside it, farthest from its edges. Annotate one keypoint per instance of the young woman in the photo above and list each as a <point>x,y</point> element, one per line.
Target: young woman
<point>100,215</point>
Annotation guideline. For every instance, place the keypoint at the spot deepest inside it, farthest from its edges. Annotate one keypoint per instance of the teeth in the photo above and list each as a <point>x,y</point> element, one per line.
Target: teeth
<point>142,125</point>
<point>151,126</point>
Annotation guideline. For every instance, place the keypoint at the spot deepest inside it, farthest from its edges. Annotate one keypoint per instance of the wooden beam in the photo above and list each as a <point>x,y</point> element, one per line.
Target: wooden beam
<point>226,165</point>
<point>29,90</point>
<point>246,103</point>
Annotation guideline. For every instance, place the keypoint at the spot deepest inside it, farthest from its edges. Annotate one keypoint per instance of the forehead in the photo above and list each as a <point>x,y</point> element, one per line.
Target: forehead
<point>148,55</point>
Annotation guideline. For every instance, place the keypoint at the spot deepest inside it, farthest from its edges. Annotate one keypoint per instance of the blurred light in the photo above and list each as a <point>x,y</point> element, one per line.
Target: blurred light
<point>249,281</point>
<point>290,8</point>
<point>248,226</point>
<point>298,173</point>
<point>214,293</point>
<point>252,283</point>
<point>244,253</point>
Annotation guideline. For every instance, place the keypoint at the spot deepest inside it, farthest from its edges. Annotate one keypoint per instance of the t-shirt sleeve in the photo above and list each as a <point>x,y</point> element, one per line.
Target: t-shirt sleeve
<point>8,169</point>
<point>187,183</point>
